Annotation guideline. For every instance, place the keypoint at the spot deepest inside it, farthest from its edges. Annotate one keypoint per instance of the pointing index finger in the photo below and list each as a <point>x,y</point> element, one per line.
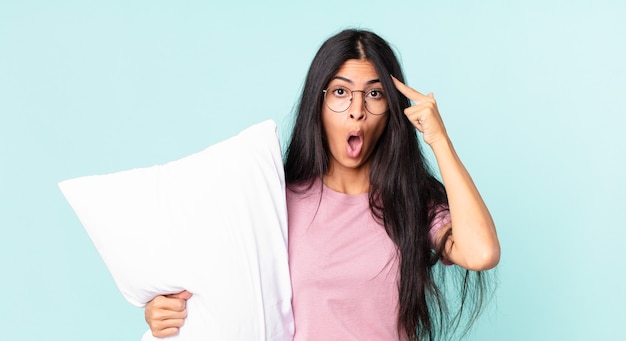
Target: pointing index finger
<point>407,91</point>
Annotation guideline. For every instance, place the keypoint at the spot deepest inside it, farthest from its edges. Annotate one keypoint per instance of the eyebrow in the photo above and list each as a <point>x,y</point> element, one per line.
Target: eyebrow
<point>377,80</point>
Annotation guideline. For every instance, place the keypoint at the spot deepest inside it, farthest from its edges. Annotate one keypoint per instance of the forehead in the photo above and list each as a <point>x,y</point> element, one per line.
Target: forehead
<point>357,71</point>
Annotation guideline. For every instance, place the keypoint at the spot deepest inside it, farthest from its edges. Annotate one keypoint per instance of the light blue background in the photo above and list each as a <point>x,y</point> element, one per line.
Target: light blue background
<point>532,93</point>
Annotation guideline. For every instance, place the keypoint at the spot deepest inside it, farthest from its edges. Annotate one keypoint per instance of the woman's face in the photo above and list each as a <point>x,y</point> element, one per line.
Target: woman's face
<point>353,133</point>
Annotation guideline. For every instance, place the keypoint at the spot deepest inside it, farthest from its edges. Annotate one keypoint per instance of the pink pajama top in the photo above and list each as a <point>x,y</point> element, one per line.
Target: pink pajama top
<point>344,268</point>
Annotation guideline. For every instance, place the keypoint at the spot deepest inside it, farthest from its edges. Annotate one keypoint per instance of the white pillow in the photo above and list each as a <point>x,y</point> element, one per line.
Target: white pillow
<point>213,223</point>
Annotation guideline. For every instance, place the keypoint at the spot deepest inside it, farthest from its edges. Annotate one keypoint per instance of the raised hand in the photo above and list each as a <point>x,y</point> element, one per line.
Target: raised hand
<point>424,113</point>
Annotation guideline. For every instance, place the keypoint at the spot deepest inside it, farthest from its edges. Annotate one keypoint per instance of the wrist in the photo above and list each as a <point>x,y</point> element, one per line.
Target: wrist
<point>441,144</point>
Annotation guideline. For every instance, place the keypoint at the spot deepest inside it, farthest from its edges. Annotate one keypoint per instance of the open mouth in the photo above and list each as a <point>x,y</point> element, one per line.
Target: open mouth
<point>354,144</point>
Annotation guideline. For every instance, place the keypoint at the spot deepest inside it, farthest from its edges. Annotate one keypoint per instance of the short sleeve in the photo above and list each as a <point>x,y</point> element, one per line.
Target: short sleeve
<point>442,219</point>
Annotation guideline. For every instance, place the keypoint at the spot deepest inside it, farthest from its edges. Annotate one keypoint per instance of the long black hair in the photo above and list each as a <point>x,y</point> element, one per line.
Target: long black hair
<point>404,194</point>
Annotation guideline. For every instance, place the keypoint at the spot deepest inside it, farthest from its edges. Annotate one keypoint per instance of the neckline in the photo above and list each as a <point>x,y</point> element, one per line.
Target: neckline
<point>347,199</point>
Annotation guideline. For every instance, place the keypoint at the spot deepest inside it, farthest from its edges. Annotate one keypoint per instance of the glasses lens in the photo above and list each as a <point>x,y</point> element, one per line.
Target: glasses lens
<point>338,98</point>
<point>376,102</point>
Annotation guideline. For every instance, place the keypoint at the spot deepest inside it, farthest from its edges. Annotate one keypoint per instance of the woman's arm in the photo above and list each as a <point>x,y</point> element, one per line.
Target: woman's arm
<point>473,243</point>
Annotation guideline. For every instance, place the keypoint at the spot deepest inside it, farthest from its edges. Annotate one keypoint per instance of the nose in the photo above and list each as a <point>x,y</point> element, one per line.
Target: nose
<point>357,107</point>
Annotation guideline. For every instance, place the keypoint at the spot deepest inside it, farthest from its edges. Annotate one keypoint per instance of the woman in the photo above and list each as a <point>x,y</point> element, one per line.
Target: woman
<point>367,219</point>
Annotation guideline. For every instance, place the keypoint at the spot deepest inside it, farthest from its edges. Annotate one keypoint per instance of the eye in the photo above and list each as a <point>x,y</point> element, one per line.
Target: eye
<point>376,94</point>
<point>340,92</point>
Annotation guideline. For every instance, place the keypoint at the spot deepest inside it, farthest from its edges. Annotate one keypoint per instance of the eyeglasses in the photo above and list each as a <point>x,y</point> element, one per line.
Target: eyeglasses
<point>339,99</point>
